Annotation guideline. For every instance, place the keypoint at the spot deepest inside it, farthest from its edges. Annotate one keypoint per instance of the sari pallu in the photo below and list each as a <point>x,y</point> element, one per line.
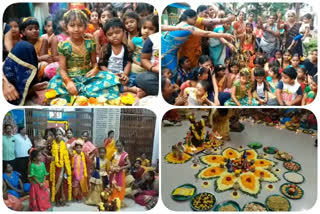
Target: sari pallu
<point>20,68</point>
<point>170,44</point>
<point>117,179</point>
<point>61,185</point>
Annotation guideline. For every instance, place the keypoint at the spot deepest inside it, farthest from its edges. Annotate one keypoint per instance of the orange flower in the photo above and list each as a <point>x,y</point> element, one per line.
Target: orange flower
<point>93,101</point>
<point>83,103</point>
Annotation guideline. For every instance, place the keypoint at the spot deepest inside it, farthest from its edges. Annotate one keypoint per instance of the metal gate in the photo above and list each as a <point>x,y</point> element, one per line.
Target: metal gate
<point>137,127</point>
<point>37,120</point>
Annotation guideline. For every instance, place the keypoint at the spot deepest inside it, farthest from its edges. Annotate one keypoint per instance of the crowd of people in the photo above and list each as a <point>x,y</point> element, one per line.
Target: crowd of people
<point>210,59</point>
<point>101,52</point>
<point>60,168</point>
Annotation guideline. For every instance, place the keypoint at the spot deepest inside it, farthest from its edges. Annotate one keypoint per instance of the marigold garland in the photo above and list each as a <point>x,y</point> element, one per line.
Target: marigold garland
<point>62,161</point>
<point>195,133</point>
<point>83,161</point>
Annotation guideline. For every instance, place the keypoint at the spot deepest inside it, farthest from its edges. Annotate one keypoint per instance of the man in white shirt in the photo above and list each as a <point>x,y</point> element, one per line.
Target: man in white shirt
<point>22,146</point>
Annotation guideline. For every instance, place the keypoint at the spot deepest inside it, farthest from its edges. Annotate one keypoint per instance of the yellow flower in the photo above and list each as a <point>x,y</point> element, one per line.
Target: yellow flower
<point>127,99</point>
<point>50,93</point>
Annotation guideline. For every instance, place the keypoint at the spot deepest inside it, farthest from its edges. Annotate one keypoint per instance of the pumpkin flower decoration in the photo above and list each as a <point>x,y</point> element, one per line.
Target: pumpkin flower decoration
<point>50,94</point>
<point>243,169</point>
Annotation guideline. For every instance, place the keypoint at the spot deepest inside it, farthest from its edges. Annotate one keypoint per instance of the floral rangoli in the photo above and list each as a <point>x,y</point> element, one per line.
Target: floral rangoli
<point>235,169</point>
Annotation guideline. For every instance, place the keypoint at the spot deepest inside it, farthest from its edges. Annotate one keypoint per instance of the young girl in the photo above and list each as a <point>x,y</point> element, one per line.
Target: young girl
<point>295,61</point>
<point>286,60</point>
<point>233,75</point>
<point>199,95</point>
<point>131,23</point>
<point>119,163</point>
<point>94,19</point>
<point>260,88</point>
<point>310,91</point>
<point>30,30</point>
<point>15,31</point>
<point>48,28</point>
<point>99,179</point>
<point>99,35</point>
<point>144,160</point>
<point>221,77</point>
<point>149,26</point>
<point>60,171</point>
<point>39,191</point>
<point>302,77</point>
<point>137,170</point>
<point>79,172</point>
<point>273,79</point>
<point>13,181</point>
<point>79,72</point>
<point>183,70</point>
<point>59,27</point>
<point>241,91</point>
<point>248,41</point>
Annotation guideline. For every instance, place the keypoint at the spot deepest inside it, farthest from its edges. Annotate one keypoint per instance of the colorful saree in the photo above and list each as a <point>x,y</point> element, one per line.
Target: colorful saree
<point>117,179</point>
<point>20,68</point>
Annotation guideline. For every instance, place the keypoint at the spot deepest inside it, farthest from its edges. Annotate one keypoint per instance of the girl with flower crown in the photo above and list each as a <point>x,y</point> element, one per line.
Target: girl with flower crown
<point>60,171</point>
<point>79,172</point>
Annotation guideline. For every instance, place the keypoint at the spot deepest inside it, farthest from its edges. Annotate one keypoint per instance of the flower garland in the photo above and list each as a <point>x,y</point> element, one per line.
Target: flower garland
<point>195,133</point>
<point>62,161</point>
<point>83,162</point>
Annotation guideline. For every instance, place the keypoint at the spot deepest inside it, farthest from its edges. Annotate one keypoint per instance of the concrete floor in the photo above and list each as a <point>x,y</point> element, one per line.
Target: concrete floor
<point>300,145</point>
<point>74,206</point>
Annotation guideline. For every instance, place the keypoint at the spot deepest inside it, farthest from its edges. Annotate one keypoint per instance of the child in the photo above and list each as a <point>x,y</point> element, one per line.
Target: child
<point>99,179</point>
<point>149,25</point>
<point>94,19</point>
<point>115,56</point>
<point>233,75</point>
<point>260,88</point>
<point>192,81</point>
<point>295,62</point>
<point>310,91</point>
<point>199,95</point>
<point>13,181</point>
<point>286,60</point>
<point>168,74</point>
<point>302,77</point>
<point>137,170</point>
<point>273,79</point>
<point>144,161</point>
<point>289,91</point>
<point>39,192</point>
<point>304,31</point>
<point>59,27</point>
<point>15,31</point>
<point>30,30</point>
<point>183,70</point>
<point>248,42</point>
<point>48,28</point>
<point>79,172</point>
<point>221,77</point>
<point>131,23</point>
<point>99,35</point>
<point>241,91</point>
<point>79,70</point>
<point>119,163</point>
<point>258,62</point>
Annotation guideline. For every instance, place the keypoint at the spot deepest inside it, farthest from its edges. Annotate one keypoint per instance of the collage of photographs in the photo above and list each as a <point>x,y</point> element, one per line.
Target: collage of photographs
<point>200,106</point>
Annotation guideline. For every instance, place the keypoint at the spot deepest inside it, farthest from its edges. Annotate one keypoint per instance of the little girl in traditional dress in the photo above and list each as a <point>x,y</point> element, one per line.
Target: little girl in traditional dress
<point>241,91</point>
<point>79,72</point>
<point>79,172</point>
<point>99,179</point>
<point>39,191</point>
<point>249,40</point>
